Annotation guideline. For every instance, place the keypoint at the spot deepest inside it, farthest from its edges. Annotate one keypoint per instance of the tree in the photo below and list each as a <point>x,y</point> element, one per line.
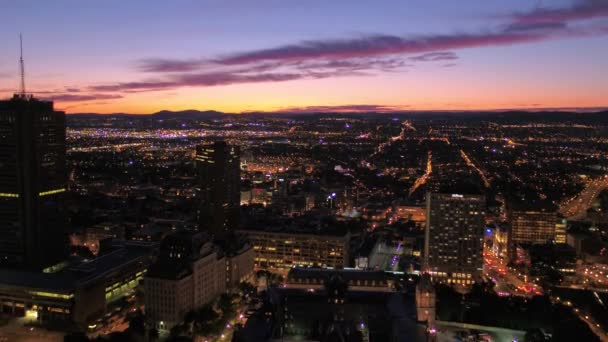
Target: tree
<point>247,288</point>
<point>176,331</point>
<point>225,304</point>
<point>153,334</point>
<point>76,337</point>
<point>204,320</point>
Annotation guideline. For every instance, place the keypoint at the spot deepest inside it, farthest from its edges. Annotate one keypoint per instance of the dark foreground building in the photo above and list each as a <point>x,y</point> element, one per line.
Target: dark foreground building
<point>335,311</point>
<point>33,181</point>
<point>78,291</point>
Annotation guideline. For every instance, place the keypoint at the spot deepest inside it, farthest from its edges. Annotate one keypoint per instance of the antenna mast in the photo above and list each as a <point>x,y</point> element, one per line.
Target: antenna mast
<point>22,66</point>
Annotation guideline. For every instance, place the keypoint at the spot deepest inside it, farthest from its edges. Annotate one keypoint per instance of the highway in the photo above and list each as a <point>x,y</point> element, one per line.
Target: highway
<point>472,165</point>
<point>424,178</point>
<point>576,207</point>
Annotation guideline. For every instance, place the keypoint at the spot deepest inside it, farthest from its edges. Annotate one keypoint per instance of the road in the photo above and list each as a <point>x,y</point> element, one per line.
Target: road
<point>576,207</point>
<point>424,178</point>
<point>595,327</point>
<point>472,165</point>
<point>507,282</point>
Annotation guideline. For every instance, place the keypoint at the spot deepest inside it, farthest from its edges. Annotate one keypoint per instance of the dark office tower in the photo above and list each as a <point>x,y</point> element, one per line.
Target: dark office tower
<point>32,183</point>
<point>454,237</point>
<point>219,187</point>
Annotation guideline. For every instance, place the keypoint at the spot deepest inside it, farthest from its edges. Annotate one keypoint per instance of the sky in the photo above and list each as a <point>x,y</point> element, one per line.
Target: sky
<point>143,56</point>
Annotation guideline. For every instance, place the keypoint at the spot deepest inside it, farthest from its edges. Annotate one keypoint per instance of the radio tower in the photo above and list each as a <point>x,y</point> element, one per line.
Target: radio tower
<point>22,66</point>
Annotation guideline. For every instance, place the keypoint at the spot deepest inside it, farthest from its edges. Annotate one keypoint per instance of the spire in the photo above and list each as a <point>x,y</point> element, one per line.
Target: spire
<point>22,66</point>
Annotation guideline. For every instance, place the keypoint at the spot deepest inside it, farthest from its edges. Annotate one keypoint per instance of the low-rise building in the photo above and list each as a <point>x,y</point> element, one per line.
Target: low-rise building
<point>416,214</point>
<point>190,272</point>
<point>75,292</point>
<point>357,280</point>
<point>282,250</point>
<point>102,231</point>
<point>533,223</point>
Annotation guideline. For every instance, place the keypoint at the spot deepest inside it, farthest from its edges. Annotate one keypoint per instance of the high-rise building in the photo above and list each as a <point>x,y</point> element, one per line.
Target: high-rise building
<point>454,237</point>
<point>33,180</point>
<point>219,187</point>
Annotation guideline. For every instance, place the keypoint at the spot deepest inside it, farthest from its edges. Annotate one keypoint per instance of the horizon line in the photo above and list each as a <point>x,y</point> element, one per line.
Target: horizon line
<point>587,110</point>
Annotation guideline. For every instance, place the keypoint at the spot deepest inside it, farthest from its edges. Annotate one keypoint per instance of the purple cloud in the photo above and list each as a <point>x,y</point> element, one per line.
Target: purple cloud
<point>315,59</point>
<point>83,97</point>
<point>377,45</point>
<point>580,10</point>
<point>209,80</point>
<point>142,85</point>
<point>536,25</point>
<point>169,65</point>
<point>435,56</point>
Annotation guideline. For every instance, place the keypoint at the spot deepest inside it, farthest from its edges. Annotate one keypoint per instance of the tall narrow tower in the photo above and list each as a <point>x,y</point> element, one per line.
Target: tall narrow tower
<point>219,177</point>
<point>21,67</point>
<point>33,180</point>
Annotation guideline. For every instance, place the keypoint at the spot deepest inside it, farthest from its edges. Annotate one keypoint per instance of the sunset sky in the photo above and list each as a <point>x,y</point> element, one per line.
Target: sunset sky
<point>306,55</point>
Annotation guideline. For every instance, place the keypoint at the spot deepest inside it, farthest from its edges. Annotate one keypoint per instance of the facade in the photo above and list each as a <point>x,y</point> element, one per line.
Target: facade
<point>219,193</point>
<point>357,280</point>
<point>425,300</point>
<point>33,180</point>
<point>239,266</point>
<point>560,230</point>
<point>500,241</point>
<point>76,292</point>
<point>454,237</point>
<point>189,273</point>
<point>533,226</point>
<point>283,250</point>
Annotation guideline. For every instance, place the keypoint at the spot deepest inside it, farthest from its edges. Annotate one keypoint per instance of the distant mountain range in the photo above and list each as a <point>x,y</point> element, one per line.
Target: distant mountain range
<point>163,114</point>
<point>506,114</point>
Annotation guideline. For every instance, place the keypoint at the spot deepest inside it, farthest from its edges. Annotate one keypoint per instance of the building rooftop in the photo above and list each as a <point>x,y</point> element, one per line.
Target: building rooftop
<point>310,223</point>
<point>78,271</point>
<point>345,274</point>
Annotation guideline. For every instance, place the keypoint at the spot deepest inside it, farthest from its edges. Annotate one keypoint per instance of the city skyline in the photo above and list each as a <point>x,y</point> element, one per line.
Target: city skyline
<point>340,56</point>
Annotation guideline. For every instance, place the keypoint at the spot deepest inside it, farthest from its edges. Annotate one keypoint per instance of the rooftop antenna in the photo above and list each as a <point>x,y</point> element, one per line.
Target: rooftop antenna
<point>22,66</point>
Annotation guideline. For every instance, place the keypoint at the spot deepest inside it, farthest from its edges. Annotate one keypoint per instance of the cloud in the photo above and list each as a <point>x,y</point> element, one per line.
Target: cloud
<point>211,79</point>
<point>435,56</point>
<point>344,108</point>
<point>141,85</point>
<point>353,64</point>
<point>579,10</point>
<point>522,27</point>
<point>377,45</point>
<point>363,55</point>
<point>169,65</point>
<point>83,97</point>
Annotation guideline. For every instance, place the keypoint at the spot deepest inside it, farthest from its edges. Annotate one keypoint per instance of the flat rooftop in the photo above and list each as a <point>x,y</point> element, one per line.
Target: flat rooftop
<point>78,271</point>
